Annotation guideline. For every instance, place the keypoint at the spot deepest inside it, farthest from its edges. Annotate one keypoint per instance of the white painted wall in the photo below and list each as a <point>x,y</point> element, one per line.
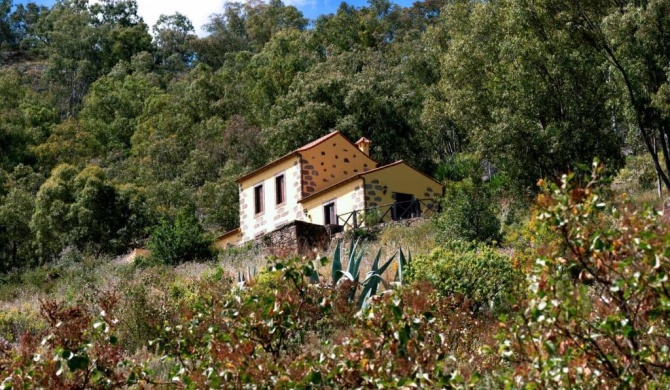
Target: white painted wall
<point>273,216</point>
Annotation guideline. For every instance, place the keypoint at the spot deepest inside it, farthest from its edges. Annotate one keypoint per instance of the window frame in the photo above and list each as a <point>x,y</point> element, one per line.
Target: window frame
<point>259,200</point>
<point>280,190</point>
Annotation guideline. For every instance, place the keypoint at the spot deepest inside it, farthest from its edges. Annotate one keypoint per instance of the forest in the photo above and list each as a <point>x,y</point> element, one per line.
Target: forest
<point>547,120</point>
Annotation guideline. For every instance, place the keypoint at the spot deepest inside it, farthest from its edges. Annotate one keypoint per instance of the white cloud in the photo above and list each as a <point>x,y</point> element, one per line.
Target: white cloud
<point>198,11</point>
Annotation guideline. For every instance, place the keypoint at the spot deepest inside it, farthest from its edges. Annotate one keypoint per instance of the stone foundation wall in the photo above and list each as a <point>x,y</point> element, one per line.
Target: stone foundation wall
<point>298,239</point>
<point>306,239</point>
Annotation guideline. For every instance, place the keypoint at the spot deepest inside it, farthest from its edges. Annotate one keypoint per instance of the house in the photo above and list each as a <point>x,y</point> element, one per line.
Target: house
<point>330,181</point>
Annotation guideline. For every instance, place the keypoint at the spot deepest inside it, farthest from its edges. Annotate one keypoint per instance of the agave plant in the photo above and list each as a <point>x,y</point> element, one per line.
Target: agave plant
<point>373,277</point>
<point>243,278</point>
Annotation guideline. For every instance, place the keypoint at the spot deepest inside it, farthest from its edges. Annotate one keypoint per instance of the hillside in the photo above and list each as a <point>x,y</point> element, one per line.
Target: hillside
<point>546,123</point>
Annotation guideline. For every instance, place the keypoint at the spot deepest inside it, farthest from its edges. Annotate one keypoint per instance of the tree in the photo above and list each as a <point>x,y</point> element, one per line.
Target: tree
<point>531,97</point>
<point>6,36</point>
<point>84,210</point>
<point>113,107</point>
<point>69,142</point>
<point>246,27</point>
<point>632,39</point>
<point>174,37</point>
<point>226,35</point>
<point>374,94</point>
<point>468,213</point>
<point>29,27</point>
<point>263,21</point>
<point>122,32</point>
<point>16,208</point>
<point>86,42</point>
<point>179,240</point>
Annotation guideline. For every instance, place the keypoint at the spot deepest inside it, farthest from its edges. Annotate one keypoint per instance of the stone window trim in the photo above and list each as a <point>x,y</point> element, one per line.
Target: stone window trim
<point>280,190</point>
<point>259,200</point>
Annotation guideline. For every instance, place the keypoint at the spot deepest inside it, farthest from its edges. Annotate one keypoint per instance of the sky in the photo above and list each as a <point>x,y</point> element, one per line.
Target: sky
<point>198,11</point>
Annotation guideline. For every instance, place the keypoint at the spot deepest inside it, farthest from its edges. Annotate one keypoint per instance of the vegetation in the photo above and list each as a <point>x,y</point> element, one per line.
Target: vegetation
<point>113,138</point>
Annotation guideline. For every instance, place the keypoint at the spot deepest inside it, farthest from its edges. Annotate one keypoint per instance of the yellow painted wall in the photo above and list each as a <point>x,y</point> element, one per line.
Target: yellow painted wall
<point>230,240</point>
<point>330,162</point>
<point>348,197</point>
<point>251,224</point>
<point>399,178</point>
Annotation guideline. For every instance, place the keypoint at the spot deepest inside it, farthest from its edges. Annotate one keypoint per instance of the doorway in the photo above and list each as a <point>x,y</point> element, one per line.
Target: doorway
<point>404,207</point>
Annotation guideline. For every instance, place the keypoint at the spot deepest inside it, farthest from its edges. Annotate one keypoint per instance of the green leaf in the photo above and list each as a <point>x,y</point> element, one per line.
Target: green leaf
<point>337,263</point>
<point>78,363</point>
<point>314,377</point>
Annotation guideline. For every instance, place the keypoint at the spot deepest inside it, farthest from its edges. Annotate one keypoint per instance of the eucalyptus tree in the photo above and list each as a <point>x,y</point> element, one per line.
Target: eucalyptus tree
<point>85,210</point>
<point>174,39</point>
<point>528,95</point>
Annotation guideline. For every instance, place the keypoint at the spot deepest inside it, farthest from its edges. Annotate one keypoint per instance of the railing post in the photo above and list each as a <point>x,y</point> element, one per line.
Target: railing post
<point>355,220</point>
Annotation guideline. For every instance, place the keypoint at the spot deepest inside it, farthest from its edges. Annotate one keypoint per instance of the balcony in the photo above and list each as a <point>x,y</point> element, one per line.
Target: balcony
<point>389,212</point>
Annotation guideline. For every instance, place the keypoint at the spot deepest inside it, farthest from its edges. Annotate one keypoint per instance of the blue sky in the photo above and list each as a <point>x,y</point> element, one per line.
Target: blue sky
<point>199,10</point>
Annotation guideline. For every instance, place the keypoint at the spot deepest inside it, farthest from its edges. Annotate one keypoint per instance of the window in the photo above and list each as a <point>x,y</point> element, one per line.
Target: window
<point>258,199</point>
<point>280,195</point>
<point>329,216</point>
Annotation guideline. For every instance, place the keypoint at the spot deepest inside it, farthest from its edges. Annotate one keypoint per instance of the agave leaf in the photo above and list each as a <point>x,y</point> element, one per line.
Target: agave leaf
<point>352,248</point>
<point>402,265</point>
<point>314,277</point>
<point>383,268</point>
<point>369,275</point>
<point>337,263</point>
<point>375,264</point>
<point>367,293</point>
<point>240,278</point>
<point>357,265</point>
<point>352,258</point>
<point>347,275</point>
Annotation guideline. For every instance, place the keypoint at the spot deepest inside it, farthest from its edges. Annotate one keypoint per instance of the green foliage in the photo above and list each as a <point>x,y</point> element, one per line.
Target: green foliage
<point>479,274</point>
<point>599,306</point>
<point>179,240</point>
<point>543,103</point>
<point>83,209</point>
<point>638,175</point>
<point>18,321</point>
<point>468,213</point>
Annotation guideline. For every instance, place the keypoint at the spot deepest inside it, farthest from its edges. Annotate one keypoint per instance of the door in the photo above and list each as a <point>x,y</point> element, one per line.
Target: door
<point>404,207</point>
<point>329,216</point>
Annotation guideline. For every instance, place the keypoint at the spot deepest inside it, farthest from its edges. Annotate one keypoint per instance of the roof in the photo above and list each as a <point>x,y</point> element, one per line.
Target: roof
<point>288,156</point>
<point>228,233</point>
<point>302,149</point>
<point>318,141</point>
<point>363,140</point>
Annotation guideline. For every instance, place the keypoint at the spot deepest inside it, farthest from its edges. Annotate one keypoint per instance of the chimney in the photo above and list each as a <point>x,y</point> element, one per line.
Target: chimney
<point>364,145</point>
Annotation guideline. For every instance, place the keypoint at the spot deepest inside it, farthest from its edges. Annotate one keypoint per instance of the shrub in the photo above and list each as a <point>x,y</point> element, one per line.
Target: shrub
<point>638,174</point>
<point>468,213</point>
<point>605,325</point>
<point>17,321</point>
<point>480,274</point>
<point>179,240</point>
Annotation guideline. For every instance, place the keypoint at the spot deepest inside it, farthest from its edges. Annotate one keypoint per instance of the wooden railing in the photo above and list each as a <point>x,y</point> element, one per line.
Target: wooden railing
<point>389,212</point>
